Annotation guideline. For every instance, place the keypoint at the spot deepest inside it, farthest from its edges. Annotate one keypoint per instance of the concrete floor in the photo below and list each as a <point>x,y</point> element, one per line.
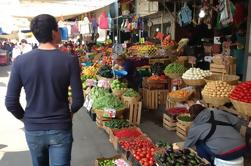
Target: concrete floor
<point>90,142</point>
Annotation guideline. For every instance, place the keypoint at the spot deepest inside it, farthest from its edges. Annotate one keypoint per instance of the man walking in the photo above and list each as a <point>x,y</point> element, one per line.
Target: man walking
<point>46,73</point>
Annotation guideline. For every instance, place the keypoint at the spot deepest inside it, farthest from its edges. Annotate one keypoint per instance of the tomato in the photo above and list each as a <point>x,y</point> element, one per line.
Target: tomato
<point>138,158</point>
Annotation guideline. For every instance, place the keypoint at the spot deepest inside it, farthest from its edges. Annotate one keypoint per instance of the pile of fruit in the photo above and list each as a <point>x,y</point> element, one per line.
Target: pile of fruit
<point>108,101</point>
<point>157,78</point>
<point>116,84</point>
<point>183,93</point>
<point>107,60</point>
<point>179,158</point>
<point>127,133</point>
<point>85,77</point>
<point>105,71</point>
<point>196,74</point>
<point>175,68</point>
<point>117,124</point>
<point>131,93</point>
<point>90,71</point>
<point>242,92</point>
<point>141,148</point>
<point>176,111</point>
<point>217,89</point>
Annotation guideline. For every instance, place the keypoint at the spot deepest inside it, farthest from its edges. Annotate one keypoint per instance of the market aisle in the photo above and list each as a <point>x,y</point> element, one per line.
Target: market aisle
<point>89,141</point>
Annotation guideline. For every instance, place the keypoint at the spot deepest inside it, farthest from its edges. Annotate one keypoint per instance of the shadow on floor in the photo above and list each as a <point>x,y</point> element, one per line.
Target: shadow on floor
<point>21,158</point>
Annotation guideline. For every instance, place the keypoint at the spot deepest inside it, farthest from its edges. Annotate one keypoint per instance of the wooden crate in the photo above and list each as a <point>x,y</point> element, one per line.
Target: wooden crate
<point>135,109</point>
<point>169,103</point>
<point>182,130</point>
<point>155,85</point>
<point>219,69</point>
<point>169,123</point>
<point>152,99</point>
<point>101,120</point>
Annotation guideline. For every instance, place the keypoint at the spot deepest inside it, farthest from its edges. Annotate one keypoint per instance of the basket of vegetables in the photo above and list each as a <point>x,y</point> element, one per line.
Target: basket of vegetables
<point>185,119</point>
<point>118,88</point>
<point>180,95</point>
<point>195,76</point>
<point>174,70</point>
<point>105,72</point>
<point>230,79</point>
<point>131,96</point>
<point>241,98</point>
<point>216,93</point>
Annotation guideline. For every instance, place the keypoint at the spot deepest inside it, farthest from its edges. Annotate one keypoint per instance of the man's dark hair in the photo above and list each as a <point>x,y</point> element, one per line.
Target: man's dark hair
<point>42,27</point>
<point>195,110</point>
<point>24,41</point>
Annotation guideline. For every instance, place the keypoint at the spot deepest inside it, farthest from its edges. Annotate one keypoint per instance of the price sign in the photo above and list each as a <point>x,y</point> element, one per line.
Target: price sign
<point>88,103</point>
<point>177,81</point>
<point>109,113</point>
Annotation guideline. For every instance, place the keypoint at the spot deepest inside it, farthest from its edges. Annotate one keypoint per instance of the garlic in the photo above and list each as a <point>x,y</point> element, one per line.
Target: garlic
<point>196,74</point>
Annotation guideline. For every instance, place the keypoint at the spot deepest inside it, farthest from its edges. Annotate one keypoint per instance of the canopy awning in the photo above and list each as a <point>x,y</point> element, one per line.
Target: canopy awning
<point>57,8</point>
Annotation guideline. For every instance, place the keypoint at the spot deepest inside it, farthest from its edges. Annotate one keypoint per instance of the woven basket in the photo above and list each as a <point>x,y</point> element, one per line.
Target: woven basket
<point>216,101</point>
<point>199,82</point>
<point>118,92</point>
<point>183,99</point>
<point>173,75</point>
<point>130,99</point>
<point>230,79</point>
<point>242,108</point>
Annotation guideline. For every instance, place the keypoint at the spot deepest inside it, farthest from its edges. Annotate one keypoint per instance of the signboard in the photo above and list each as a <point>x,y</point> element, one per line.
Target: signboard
<point>88,103</point>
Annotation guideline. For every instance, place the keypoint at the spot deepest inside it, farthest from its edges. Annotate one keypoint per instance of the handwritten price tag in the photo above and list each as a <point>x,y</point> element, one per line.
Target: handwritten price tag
<point>109,113</point>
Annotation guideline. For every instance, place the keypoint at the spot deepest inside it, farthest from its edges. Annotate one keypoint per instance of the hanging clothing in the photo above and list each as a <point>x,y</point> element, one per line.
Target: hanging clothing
<point>185,15</point>
<point>74,29</point>
<point>102,35</point>
<point>103,21</point>
<point>64,33</point>
<point>239,14</point>
<point>85,26</point>
<point>227,9</point>
<point>110,21</point>
<point>94,25</point>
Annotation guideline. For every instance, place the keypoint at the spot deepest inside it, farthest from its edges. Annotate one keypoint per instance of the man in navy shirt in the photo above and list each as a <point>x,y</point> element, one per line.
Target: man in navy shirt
<point>46,73</point>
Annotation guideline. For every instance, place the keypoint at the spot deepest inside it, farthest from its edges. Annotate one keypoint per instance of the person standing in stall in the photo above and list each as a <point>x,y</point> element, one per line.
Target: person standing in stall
<point>132,77</point>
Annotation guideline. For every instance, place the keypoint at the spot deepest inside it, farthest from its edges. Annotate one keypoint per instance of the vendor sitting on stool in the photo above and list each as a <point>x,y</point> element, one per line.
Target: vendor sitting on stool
<point>132,77</point>
<point>215,134</point>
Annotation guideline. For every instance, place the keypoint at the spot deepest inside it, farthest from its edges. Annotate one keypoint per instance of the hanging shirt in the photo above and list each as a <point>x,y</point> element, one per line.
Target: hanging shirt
<point>185,16</point>
<point>84,26</point>
<point>239,14</point>
<point>64,33</point>
<point>103,21</point>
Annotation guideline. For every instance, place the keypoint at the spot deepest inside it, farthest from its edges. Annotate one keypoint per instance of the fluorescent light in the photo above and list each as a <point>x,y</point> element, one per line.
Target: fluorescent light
<point>202,13</point>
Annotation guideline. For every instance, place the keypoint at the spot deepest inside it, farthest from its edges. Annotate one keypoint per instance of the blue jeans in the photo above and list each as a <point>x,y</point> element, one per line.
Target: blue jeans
<point>52,147</point>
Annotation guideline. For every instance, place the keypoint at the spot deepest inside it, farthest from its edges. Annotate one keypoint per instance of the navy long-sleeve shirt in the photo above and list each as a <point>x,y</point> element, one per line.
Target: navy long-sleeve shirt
<point>45,76</point>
